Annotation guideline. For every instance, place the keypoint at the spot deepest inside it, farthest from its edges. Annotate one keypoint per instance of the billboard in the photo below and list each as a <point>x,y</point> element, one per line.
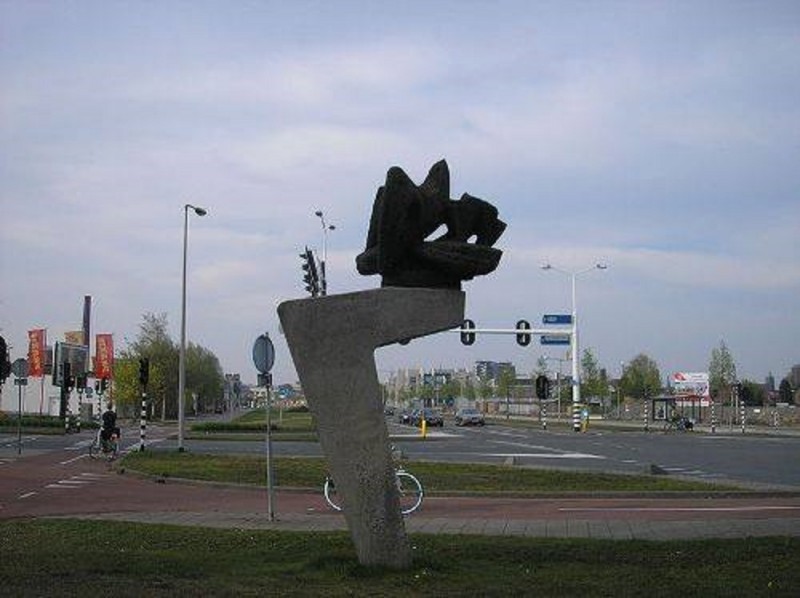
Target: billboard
<point>691,384</point>
<point>76,355</point>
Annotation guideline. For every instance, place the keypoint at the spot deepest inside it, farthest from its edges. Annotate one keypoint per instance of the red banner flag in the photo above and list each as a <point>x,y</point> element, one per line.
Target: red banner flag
<point>36,342</point>
<point>104,356</point>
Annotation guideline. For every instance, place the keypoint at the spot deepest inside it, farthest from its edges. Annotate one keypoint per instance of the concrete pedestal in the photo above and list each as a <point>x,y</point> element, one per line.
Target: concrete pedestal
<point>332,340</point>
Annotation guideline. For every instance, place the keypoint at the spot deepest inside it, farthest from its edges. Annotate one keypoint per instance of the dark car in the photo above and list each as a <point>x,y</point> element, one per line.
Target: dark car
<point>469,417</point>
<point>432,417</point>
<point>404,417</point>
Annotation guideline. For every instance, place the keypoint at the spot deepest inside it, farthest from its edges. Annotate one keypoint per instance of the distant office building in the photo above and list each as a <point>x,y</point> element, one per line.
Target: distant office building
<point>769,383</point>
<point>794,376</point>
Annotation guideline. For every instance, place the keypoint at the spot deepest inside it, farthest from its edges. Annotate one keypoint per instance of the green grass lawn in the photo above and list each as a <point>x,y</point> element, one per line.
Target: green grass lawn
<point>90,558</point>
<point>439,478</point>
<point>289,425</point>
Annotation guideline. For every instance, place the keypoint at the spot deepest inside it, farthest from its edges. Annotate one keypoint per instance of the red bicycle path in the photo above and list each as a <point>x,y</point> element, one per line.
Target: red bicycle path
<point>66,483</point>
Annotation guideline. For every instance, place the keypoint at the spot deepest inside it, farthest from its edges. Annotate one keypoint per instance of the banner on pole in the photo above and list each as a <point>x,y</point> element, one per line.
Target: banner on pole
<point>36,349</point>
<point>104,356</point>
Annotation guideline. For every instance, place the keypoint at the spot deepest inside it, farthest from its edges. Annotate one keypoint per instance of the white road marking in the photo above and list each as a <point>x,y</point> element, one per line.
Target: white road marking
<point>681,509</point>
<point>68,461</point>
<point>26,495</point>
<point>554,454</point>
<point>545,455</point>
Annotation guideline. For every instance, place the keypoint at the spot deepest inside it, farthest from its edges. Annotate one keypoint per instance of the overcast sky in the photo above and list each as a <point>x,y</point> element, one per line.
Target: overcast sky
<point>661,138</point>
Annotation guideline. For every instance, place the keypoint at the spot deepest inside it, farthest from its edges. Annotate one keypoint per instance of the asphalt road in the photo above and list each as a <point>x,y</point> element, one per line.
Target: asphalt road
<point>750,459</point>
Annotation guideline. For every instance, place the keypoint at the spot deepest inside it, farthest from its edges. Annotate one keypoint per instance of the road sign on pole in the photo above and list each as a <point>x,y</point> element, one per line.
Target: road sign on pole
<point>555,339</point>
<point>263,354</point>
<point>557,319</point>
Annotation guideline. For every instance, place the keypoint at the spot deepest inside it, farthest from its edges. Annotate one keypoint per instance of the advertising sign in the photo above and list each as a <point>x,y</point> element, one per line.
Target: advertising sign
<point>77,357</point>
<point>691,384</point>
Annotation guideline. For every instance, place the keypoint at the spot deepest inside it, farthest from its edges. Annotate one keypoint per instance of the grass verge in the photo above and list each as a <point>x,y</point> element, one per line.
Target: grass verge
<point>442,478</point>
<point>88,558</point>
<point>288,423</point>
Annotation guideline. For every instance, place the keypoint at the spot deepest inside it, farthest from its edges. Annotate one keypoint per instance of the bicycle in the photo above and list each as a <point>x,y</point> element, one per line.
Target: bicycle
<point>408,486</point>
<point>679,424</point>
<point>102,447</point>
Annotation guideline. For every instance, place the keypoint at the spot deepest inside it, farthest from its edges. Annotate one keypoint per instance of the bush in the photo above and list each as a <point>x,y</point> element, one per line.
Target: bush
<point>31,421</point>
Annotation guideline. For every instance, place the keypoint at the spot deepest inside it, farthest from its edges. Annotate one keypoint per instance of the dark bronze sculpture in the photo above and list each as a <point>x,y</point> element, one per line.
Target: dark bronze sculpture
<point>404,215</point>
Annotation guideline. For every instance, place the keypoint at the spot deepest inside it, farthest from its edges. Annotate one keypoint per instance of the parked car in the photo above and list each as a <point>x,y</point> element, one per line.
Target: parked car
<point>432,417</point>
<point>404,417</point>
<point>469,417</point>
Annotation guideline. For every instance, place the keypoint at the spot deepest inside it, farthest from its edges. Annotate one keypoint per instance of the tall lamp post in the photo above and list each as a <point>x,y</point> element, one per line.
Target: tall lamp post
<point>325,228</point>
<point>575,348</point>
<point>182,356</point>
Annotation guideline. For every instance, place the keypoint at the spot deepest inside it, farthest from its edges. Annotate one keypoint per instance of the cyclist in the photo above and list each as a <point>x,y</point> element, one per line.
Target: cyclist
<point>109,424</point>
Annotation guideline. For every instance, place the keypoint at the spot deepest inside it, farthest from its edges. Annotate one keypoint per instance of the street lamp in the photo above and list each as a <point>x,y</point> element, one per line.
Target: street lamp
<point>182,356</point>
<point>576,382</point>
<point>325,228</point>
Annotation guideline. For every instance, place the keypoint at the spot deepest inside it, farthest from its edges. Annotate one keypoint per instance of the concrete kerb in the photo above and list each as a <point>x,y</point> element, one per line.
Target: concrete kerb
<point>621,529</point>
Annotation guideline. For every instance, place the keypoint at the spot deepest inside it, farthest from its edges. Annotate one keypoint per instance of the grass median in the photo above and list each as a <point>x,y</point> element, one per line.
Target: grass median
<point>436,477</point>
<point>88,558</point>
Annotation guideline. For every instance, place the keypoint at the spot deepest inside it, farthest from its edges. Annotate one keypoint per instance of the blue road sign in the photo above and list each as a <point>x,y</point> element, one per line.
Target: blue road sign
<point>555,339</point>
<point>557,319</point>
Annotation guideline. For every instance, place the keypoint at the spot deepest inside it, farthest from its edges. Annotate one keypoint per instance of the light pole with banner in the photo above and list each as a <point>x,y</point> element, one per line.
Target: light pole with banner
<point>264,359</point>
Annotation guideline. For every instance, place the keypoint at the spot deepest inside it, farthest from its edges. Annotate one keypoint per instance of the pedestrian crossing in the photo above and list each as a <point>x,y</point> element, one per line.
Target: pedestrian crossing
<point>73,482</point>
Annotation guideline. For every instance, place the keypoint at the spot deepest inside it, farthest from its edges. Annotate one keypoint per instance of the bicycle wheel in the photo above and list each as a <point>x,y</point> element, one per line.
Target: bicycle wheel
<point>93,449</point>
<point>331,495</point>
<point>410,492</point>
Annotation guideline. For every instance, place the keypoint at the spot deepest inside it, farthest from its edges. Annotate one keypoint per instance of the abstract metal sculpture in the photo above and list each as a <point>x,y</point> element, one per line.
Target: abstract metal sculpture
<point>404,215</point>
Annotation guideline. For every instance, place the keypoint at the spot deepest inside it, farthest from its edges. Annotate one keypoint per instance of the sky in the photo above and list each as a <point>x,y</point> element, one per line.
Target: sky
<point>659,138</point>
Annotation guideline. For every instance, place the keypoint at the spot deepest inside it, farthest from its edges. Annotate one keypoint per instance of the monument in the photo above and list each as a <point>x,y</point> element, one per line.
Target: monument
<point>332,339</point>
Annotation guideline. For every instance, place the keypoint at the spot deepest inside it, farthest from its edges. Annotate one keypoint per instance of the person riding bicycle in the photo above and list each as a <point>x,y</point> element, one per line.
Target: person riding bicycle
<point>109,427</point>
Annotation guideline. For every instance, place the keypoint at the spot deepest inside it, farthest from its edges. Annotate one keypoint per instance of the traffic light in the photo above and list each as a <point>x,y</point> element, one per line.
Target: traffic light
<point>144,371</point>
<point>523,338</point>
<point>103,385</point>
<point>310,275</point>
<point>69,379</point>
<point>467,338</point>
<point>5,364</point>
<point>81,382</point>
<point>542,387</point>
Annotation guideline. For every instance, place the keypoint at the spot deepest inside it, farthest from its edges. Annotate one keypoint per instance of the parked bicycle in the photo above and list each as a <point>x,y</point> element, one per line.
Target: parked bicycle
<point>408,487</point>
<point>678,423</point>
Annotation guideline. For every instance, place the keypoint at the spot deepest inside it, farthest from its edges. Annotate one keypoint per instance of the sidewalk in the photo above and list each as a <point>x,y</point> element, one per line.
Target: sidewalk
<point>605,529</point>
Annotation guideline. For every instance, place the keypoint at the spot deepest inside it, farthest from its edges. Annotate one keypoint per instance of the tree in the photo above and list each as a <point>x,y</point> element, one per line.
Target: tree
<point>593,378</point>
<point>641,377</point>
<point>785,391</point>
<point>721,372</point>
<point>204,377</point>
<point>752,393</point>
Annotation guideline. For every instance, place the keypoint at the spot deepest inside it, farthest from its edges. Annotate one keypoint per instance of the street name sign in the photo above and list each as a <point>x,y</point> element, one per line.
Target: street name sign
<point>557,319</point>
<point>555,339</point>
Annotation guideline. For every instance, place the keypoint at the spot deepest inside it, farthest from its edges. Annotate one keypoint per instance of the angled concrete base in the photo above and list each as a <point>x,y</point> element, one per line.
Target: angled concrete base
<point>333,340</point>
